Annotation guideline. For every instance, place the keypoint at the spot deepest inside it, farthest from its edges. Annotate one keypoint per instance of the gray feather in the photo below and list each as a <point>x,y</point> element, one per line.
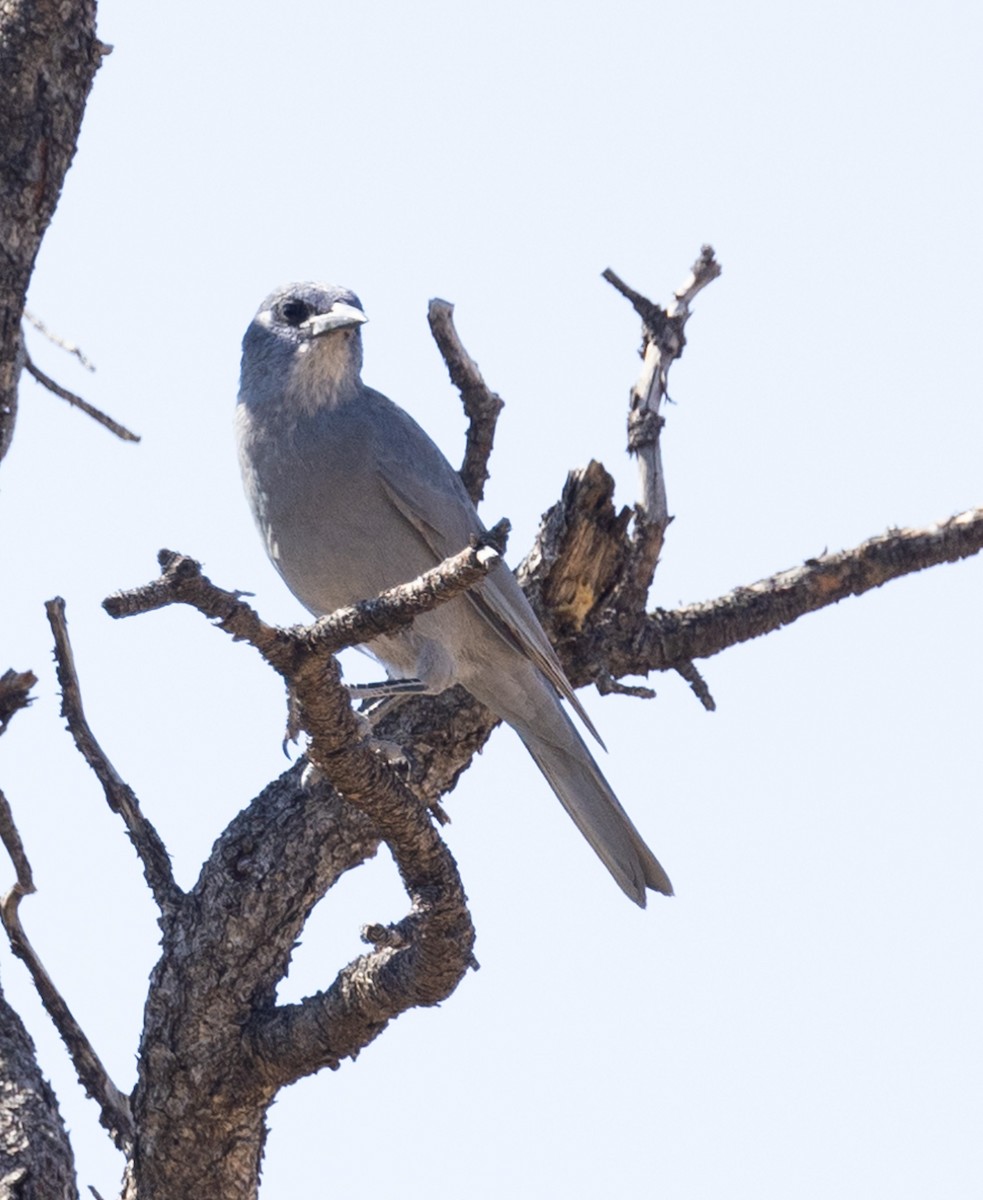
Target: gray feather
<point>351,497</point>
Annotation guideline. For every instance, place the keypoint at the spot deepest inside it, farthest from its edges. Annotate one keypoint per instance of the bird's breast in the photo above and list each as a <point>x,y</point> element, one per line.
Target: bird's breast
<point>315,489</point>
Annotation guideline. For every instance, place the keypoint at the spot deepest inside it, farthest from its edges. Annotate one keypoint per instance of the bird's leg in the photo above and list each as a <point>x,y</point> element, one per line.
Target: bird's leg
<point>292,732</point>
<point>380,699</point>
<point>385,689</point>
<point>378,707</point>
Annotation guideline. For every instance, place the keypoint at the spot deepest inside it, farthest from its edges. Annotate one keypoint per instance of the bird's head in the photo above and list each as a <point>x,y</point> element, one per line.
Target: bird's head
<point>305,345</point>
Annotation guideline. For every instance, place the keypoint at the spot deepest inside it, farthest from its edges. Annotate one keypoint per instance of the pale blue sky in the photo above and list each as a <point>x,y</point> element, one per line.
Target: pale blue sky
<point>803,1018</point>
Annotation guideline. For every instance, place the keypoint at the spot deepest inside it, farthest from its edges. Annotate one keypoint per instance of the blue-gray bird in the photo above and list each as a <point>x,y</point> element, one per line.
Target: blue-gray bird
<point>352,497</point>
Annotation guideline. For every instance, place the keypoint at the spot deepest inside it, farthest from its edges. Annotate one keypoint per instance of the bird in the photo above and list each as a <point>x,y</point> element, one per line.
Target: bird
<point>351,497</point>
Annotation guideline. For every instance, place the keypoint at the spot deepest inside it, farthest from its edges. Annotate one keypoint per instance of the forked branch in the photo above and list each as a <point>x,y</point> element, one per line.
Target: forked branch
<point>663,639</point>
<point>663,339</point>
<point>113,1105</point>
<point>119,795</point>
<point>420,959</point>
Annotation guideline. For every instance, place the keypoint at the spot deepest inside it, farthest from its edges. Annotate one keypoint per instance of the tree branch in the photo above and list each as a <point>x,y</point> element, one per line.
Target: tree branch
<point>571,576</point>
<point>202,1092</point>
<point>35,1153</point>
<point>226,950</point>
<point>113,1105</point>
<point>57,340</point>
<point>49,55</point>
<point>119,795</point>
<point>481,405</point>
<point>183,582</point>
<point>76,401</point>
<point>664,639</point>
<point>663,339</point>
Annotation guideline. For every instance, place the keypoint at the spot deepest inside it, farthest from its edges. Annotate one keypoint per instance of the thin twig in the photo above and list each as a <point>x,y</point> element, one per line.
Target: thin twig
<point>607,685</point>
<point>699,685</point>
<point>59,341</point>
<point>481,404</point>
<point>96,414</point>
<point>114,1106</point>
<point>119,795</point>
<point>11,839</point>
<point>651,314</point>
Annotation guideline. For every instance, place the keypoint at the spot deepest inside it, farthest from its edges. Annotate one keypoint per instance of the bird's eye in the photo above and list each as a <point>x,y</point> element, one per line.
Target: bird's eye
<point>295,311</point>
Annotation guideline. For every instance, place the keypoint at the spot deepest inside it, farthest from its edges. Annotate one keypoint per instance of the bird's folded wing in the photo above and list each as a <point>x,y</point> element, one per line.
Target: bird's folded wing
<point>445,526</point>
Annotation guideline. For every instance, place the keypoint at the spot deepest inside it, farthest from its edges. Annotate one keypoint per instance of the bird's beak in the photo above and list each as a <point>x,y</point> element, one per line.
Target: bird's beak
<point>338,316</point>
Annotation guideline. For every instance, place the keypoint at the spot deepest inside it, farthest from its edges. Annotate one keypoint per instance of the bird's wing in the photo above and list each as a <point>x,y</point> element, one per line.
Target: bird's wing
<point>505,606</point>
<point>432,500</point>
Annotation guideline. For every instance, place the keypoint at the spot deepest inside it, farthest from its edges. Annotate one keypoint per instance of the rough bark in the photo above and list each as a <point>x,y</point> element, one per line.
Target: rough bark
<point>35,1155</point>
<point>49,55</point>
<point>216,1047</point>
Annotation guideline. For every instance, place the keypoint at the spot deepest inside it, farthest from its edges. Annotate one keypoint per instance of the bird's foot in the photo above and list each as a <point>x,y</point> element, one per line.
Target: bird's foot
<point>386,689</point>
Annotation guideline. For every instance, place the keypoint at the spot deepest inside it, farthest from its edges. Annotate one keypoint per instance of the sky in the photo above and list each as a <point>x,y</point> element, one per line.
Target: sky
<point>802,1019</point>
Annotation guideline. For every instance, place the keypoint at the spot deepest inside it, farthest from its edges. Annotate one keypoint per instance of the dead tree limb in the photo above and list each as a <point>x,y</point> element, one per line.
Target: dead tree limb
<point>35,1153</point>
<point>49,54</point>
<point>481,405</point>
<point>664,638</point>
<point>119,795</point>
<point>114,1107</point>
<point>216,1047</point>
<point>572,576</point>
<point>663,339</point>
<point>76,401</point>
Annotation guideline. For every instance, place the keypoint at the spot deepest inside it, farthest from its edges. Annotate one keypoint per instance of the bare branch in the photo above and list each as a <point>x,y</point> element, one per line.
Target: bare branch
<point>607,685</point>
<point>182,582</point>
<point>425,955</point>
<point>119,795</point>
<point>114,1106</point>
<point>666,640</point>
<point>652,315</point>
<point>570,576</point>
<point>696,681</point>
<point>96,414</point>
<point>57,340</point>
<point>11,839</point>
<point>201,1093</point>
<point>481,404</point>
<point>431,948</point>
<point>663,339</point>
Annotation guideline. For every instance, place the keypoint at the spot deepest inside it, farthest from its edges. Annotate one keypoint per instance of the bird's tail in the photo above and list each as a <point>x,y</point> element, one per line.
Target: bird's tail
<point>560,753</point>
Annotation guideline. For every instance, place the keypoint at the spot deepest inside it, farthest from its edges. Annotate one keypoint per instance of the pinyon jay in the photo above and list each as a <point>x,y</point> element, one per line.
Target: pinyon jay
<point>352,497</point>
